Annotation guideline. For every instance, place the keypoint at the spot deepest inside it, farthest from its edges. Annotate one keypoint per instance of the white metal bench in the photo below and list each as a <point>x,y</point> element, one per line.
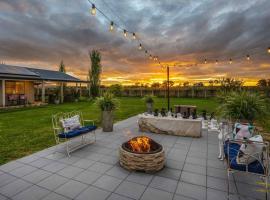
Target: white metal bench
<point>71,125</point>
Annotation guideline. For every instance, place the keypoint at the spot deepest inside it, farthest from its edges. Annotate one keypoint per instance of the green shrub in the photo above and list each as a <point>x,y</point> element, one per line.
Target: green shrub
<point>107,102</point>
<point>243,105</point>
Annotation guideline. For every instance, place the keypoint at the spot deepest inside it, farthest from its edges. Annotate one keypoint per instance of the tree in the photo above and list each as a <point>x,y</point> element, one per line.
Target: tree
<point>230,84</point>
<point>186,84</point>
<point>62,67</point>
<point>199,84</point>
<point>155,85</point>
<point>262,83</point>
<point>116,89</point>
<point>164,84</point>
<point>94,72</point>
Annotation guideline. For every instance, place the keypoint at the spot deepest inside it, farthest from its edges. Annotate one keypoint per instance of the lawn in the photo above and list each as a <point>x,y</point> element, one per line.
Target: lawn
<point>27,130</point>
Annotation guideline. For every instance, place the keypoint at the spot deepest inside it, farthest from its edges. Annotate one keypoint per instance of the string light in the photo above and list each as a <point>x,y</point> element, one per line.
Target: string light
<point>93,10</point>
<point>125,33</point>
<point>111,26</point>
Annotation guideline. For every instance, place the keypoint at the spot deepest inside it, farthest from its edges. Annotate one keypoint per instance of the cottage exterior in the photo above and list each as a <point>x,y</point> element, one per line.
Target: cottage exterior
<point>17,84</point>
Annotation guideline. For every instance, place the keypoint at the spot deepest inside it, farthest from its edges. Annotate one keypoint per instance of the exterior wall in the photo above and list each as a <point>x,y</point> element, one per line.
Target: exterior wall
<point>30,91</point>
<point>1,95</point>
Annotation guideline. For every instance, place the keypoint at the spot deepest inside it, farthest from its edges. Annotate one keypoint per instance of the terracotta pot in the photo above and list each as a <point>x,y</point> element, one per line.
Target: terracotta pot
<point>149,107</point>
<point>107,121</point>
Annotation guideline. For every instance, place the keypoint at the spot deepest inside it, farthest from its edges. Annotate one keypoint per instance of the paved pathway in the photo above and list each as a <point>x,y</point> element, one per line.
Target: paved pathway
<point>192,172</point>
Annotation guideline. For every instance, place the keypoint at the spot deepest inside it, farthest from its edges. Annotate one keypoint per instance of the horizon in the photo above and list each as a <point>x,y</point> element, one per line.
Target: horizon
<point>41,34</point>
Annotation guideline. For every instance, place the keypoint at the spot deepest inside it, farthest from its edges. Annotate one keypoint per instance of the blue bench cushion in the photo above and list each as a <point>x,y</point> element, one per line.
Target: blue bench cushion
<point>77,132</point>
<point>254,167</point>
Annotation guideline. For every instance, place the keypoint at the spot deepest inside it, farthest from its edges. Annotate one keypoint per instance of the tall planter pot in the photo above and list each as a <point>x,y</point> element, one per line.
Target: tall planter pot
<point>107,121</point>
<point>149,107</point>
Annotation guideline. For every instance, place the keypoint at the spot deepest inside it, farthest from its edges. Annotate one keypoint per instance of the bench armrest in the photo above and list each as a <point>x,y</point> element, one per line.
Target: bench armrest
<point>89,120</point>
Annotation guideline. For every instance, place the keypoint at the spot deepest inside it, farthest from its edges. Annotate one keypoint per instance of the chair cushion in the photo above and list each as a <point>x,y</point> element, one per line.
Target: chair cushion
<point>254,167</point>
<point>77,132</point>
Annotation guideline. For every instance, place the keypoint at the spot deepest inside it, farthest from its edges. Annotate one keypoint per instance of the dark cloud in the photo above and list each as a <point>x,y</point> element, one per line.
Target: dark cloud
<point>42,33</point>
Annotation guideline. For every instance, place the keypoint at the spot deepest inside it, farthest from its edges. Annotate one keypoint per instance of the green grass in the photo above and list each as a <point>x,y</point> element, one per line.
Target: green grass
<point>28,130</point>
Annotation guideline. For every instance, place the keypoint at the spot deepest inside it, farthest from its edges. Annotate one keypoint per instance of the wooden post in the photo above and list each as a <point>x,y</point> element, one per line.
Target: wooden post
<point>80,89</point>
<point>3,93</point>
<point>43,92</point>
<point>62,92</point>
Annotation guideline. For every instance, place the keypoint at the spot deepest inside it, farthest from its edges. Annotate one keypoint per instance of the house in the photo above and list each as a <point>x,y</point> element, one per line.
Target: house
<point>17,84</point>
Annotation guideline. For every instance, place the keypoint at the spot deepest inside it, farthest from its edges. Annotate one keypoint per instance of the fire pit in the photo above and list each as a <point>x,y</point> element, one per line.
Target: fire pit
<point>142,154</point>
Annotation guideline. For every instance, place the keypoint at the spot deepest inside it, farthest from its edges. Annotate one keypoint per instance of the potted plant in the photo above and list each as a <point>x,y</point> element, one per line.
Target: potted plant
<point>149,100</point>
<point>243,106</point>
<point>56,97</point>
<point>76,95</point>
<point>107,103</point>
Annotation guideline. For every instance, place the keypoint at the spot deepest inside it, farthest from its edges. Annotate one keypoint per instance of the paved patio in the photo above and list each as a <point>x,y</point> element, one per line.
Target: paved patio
<point>192,172</point>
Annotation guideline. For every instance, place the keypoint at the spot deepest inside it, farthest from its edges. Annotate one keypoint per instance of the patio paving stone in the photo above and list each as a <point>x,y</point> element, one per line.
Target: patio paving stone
<point>162,183</point>
<point>196,179</point>
<point>32,193</point>
<point>14,187</point>
<point>87,177</point>
<point>53,182</point>
<point>154,194</point>
<point>107,183</point>
<point>93,193</point>
<point>140,178</point>
<point>129,189</point>
<point>71,189</point>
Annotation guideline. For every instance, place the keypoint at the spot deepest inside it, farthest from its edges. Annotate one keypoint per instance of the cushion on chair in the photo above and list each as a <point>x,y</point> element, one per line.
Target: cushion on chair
<point>77,132</point>
<point>254,167</point>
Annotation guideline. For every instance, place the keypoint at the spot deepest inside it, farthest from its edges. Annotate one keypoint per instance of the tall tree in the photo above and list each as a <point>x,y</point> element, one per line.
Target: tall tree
<point>262,83</point>
<point>94,72</point>
<point>62,67</point>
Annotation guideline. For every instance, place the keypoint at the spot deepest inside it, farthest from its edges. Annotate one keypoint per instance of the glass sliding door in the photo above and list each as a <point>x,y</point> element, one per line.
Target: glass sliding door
<point>15,93</point>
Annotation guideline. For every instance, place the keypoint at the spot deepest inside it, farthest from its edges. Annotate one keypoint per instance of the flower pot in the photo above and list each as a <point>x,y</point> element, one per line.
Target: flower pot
<point>149,107</point>
<point>107,121</point>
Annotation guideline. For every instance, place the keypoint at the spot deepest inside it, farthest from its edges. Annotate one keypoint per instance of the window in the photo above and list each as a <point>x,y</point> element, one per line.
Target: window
<point>15,87</point>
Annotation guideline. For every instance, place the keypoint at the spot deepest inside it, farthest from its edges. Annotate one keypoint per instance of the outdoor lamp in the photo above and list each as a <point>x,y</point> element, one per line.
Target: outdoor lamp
<point>111,27</point>
<point>134,36</point>
<point>248,57</point>
<point>93,10</point>
<point>125,33</point>
<point>268,50</point>
<point>205,61</point>
<point>230,61</point>
<point>140,46</point>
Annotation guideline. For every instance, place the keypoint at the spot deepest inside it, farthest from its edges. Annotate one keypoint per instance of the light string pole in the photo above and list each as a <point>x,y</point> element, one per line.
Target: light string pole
<point>168,87</point>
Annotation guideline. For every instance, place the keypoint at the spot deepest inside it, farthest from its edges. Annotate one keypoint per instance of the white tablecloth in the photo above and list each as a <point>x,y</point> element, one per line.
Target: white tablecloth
<point>170,125</point>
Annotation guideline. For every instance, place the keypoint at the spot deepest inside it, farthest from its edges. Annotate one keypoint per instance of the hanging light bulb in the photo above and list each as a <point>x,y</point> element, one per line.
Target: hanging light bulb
<point>93,10</point>
<point>134,36</point>
<point>140,47</point>
<point>268,50</point>
<point>146,52</point>
<point>230,61</point>
<point>216,62</point>
<point>111,26</point>
<point>248,57</point>
<point>150,57</point>
<point>125,33</point>
<point>205,61</point>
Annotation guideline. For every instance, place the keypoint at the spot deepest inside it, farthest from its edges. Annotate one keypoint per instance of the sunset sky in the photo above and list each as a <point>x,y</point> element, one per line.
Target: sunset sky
<point>39,34</point>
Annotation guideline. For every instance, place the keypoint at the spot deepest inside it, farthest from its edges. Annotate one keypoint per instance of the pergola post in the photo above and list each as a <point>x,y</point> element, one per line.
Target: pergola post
<point>3,93</point>
<point>43,92</point>
<point>62,92</point>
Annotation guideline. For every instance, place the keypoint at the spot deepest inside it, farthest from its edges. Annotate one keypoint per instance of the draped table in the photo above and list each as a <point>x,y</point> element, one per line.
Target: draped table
<point>170,125</point>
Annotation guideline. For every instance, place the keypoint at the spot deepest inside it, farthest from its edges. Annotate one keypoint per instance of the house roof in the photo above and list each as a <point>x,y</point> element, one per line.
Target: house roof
<point>16,72</point>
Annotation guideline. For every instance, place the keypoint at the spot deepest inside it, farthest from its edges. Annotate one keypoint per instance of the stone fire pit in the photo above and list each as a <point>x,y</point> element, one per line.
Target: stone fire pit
<point>142,154</point>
